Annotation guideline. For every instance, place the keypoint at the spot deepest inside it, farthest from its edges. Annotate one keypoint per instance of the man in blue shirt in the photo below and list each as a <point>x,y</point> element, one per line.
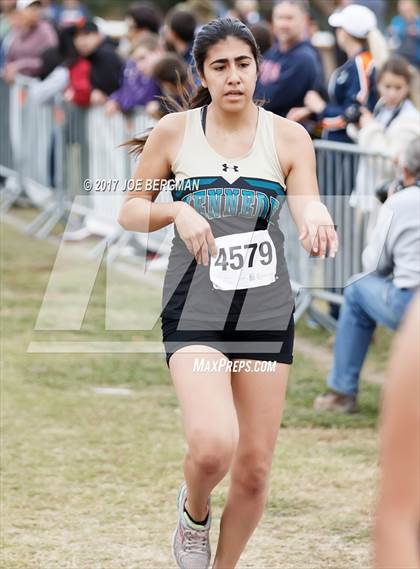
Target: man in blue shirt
<point>292,67</point>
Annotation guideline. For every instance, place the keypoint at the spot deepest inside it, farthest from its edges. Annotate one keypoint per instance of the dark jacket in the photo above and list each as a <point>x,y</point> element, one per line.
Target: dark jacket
<point>352,83</point>
<point>286,77</point>
<point>106,68</point>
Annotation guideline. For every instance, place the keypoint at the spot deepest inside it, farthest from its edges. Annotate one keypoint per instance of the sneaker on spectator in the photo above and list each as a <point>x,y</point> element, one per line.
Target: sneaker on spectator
<point>338,402</point>
<point>191,542</point>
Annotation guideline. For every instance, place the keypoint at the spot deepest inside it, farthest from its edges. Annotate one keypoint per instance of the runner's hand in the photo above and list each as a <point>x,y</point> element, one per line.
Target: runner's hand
<point>318,235</point>
<point>196,233</point>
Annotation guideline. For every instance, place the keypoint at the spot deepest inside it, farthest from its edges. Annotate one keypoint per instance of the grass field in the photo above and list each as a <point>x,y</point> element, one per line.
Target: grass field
<point>90,479</point>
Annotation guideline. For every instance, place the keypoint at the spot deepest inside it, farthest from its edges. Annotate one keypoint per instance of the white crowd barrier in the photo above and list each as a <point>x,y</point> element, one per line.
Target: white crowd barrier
<point>59,157</point>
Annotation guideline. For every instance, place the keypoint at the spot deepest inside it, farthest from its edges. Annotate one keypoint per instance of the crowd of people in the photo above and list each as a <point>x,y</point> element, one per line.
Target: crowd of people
<point>65,47</point>
<point>368,101</point>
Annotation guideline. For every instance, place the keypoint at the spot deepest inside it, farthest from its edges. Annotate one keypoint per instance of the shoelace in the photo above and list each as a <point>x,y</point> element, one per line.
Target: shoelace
<point>195,540</point>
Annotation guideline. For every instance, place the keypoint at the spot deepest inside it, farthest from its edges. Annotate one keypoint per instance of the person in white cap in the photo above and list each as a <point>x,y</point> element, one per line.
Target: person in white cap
<point>30,37</point>
<point>353,84</point>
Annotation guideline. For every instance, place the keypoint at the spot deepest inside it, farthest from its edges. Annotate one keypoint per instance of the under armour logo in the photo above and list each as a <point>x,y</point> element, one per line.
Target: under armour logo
<point>226,168</point>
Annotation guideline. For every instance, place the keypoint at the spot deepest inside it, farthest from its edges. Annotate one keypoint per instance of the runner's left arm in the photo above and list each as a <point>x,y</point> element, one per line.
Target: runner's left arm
<point>314,223</point>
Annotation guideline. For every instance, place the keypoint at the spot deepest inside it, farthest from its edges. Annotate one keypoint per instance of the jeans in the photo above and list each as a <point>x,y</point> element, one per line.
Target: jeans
<point>372,299</point>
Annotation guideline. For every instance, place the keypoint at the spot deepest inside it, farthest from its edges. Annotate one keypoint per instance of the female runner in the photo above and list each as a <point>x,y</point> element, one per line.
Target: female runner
<point>227,300</point>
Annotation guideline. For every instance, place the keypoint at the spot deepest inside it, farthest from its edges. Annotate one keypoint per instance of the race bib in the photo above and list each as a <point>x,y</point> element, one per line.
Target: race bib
<point>243,260</point>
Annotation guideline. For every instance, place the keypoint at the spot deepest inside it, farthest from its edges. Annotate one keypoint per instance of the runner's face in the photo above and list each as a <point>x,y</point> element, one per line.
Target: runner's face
<point>230,73</point>
<point>393,89</point>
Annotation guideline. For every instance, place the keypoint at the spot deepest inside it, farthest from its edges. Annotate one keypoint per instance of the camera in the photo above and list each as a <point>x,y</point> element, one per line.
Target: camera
<point>353,113</point>
<point>383,191</point>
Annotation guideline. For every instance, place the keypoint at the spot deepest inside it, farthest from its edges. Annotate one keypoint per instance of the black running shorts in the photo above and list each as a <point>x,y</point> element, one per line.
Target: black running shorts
<point>251,344</point>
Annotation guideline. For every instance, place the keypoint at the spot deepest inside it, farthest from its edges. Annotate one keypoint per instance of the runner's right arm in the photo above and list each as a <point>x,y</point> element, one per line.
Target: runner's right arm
<point>139,213</point>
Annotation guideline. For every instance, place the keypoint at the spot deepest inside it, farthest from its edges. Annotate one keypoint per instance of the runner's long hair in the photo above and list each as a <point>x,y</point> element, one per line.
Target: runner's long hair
<point>192,96</point>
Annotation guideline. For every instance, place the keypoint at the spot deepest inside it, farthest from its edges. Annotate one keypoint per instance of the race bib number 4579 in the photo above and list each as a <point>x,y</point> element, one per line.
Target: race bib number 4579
<point>243,260</point>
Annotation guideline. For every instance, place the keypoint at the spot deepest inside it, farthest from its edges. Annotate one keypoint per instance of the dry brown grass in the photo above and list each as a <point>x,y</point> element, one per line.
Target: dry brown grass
<point>90,480</point>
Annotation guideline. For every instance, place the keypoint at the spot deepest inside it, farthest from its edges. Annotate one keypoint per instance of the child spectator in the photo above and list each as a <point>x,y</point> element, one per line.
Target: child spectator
<point>171,74</point>
<point>394,121</point>
<point>138,87</point>
<point>263,36</point>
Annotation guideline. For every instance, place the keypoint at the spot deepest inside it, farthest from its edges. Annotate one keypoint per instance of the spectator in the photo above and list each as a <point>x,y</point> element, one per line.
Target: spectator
<point>51,11</point>
<point>353,84</point>
<point>54,72</point>
<point>291,68</point>
<point>79,88</point>
<point>405,31</point>
<point>247,11</point>
<point>393,260</point>
<point>72,13</point>
<point>30,36</point>
<point>263,36</point>
<point>142,18</point>
<point>171,74</point>
<point>179,33</point>
<point>7,9</point>
<point>203,10</point>
<point>55,78</point>
<point>105,65</point>
<point>398,508</point>
<point>395,120</point>
<point>378,7</point>
<point>138,87</point>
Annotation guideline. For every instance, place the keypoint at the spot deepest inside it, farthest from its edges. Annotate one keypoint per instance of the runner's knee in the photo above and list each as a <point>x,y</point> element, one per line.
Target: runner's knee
<point>251,473</point>
<point>211,453</point>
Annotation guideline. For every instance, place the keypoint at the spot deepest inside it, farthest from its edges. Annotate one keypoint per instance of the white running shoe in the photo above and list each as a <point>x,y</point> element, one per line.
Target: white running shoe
<point>191,542</point>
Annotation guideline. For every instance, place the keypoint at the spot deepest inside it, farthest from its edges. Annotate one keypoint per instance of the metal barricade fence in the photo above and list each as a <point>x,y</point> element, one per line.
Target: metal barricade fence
<point>6,156</point>
<point>26,131</point>
<point>51,150</point>
<point>348,179</point>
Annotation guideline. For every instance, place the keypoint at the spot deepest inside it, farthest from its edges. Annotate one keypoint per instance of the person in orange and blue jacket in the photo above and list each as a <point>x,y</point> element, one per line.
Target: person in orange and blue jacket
<point>353,85</point>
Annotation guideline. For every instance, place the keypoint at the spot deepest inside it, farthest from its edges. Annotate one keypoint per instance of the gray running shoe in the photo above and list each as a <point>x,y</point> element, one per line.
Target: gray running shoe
<point>191,542</point>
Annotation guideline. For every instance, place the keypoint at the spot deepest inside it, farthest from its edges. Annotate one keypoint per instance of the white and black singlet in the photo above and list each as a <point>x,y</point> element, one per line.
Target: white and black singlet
<point>242,302</point>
